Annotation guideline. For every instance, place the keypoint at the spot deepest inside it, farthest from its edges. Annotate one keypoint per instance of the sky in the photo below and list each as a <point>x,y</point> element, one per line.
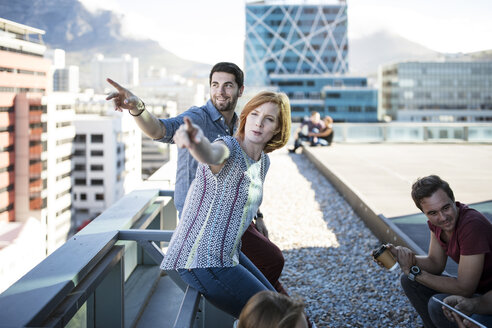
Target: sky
<point>210,31</point>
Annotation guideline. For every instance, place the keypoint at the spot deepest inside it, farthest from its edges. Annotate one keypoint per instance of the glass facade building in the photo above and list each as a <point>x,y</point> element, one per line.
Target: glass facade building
<point>286,38</point>
<point>302,49</point>
<point>344,98</point>
<point>437,91</point>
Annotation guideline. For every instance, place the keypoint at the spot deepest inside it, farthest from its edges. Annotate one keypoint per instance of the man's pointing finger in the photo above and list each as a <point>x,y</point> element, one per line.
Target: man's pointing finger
<point>114,84</point>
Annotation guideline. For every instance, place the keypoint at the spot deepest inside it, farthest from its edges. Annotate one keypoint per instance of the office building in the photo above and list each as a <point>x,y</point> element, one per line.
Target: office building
<point>292,37</point>
<point>344,98</point>
<point>302,49</point>
<point>447,91</point>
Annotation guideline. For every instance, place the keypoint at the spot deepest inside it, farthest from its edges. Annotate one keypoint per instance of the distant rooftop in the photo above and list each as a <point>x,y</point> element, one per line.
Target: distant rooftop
<point>17,28</point>
<point>296,2</point>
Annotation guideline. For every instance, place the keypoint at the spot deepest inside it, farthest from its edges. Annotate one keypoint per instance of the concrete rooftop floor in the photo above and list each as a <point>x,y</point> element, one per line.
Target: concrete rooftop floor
<point>382,174</point>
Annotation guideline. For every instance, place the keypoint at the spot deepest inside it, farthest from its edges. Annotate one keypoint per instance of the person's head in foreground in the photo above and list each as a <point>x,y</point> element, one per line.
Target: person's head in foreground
<point>268,309</point>
<point>259,104</point>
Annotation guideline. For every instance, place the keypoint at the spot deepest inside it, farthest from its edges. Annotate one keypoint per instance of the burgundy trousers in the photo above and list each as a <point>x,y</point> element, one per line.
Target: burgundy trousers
<point>265,255</point>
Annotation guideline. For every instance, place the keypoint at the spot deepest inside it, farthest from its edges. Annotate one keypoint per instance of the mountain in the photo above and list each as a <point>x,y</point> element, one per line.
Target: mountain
<point>83,33</point>
<point>383,47</point>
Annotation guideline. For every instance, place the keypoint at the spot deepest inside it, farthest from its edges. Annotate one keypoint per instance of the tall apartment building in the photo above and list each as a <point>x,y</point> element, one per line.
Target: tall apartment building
<point>36,133</point>
<point>24,80</point>
<point>107,162</point>
<point>302,49</point>
<point>447,91</point>
<point>59,137</point>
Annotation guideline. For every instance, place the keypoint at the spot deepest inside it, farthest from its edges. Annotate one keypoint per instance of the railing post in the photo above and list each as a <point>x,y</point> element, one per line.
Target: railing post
<point>109,299</point>
<point>169,217</point>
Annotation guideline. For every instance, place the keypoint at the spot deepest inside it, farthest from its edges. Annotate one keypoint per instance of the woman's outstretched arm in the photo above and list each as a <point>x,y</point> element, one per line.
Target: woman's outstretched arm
<point>191,136</point>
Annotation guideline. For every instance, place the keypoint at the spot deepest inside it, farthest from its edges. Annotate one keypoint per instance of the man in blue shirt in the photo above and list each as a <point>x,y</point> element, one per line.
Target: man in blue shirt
<point>216,118</point>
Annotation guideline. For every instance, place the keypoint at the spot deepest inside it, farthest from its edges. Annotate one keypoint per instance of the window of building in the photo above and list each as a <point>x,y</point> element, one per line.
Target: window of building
<point>97,182</point>
<point>355,109</point>
<point>97,138</point>
<point>97,167</point>
<point>79,152</point>
<point>83,196</point>
<point>81,138</point>
<point>80,182</point>
<point>99,196</point>
<point>79,167</point>
<point>97,153</point>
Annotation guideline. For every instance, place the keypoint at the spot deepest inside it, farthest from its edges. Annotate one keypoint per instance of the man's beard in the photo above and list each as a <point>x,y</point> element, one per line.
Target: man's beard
<point>226,107</point>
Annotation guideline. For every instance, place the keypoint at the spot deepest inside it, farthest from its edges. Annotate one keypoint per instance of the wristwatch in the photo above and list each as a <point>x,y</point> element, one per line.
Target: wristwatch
<point>414,272</point>
<point>140,106</point>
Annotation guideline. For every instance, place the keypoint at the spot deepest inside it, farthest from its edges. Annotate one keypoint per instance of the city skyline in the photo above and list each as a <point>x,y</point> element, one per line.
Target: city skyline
<point>444,26</point>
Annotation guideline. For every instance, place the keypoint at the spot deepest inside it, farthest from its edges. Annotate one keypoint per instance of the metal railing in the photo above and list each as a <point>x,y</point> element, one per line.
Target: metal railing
<point>84,282</point>
<point>413,132</point>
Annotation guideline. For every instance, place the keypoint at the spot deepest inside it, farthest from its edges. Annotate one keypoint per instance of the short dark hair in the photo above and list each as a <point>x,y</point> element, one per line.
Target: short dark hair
<point>427,186</point>
<point>228,68</point>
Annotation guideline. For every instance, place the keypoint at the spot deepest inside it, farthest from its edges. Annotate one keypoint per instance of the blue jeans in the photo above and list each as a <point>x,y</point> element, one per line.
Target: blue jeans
<point>228,288</point>
<point>438,318</point>
<point>430,311</point>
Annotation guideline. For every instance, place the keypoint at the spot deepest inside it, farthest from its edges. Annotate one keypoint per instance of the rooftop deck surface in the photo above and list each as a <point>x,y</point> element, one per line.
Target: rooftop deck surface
<point>383,173</point>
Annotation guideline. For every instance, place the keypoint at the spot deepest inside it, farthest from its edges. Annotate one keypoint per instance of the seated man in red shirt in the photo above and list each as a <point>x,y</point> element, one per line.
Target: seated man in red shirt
<point>457,231</point>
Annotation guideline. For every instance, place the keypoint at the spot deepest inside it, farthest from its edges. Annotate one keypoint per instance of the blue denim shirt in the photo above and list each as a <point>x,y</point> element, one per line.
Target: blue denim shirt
<point>209,119</point>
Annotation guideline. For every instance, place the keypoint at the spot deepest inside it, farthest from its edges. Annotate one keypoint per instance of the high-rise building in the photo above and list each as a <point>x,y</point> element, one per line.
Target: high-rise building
<point>24,79</point>
<point>36,134</point>
<point>66,79</point>
<point>302,49</point>
<point>447,91</point>
<point>59,137</point>
<point>293,37</point>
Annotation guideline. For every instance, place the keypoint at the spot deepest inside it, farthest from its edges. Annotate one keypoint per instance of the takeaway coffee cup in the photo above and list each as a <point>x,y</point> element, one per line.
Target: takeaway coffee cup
<point>384,256</point>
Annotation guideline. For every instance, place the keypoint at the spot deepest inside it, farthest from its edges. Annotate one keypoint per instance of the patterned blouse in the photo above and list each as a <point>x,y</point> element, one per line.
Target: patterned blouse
<point>217,211</point>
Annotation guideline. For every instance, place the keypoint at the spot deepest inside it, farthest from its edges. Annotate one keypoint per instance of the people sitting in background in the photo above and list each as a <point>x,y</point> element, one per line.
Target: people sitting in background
<point>268,309</point>
<point>325,136</point>
<point>479,308</point>
<point>457,231</point>
<point>312,125</point>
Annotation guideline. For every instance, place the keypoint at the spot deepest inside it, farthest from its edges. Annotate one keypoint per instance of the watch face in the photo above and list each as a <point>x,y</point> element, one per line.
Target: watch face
<point>415,270</point>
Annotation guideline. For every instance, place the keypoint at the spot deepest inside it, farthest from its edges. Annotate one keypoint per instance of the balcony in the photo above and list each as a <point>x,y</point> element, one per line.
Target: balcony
<point>107,275</point>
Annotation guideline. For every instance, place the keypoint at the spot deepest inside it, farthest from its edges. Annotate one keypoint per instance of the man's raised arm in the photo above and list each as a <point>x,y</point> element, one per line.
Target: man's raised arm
<point>148,123</point>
